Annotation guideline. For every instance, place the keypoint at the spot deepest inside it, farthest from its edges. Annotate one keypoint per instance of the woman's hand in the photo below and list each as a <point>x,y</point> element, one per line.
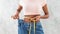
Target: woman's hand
<point>16,16</point>
<point>37,18</point>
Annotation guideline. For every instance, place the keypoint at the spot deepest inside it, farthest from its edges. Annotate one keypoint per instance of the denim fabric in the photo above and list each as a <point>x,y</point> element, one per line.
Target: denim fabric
<point>23,27</point>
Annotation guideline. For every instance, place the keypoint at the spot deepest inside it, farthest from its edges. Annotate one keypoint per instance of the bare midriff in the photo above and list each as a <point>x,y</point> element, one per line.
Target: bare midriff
<point>28,17</point>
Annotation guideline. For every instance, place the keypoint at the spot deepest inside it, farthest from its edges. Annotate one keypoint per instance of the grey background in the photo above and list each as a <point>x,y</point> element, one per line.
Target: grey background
<point>9,26</point>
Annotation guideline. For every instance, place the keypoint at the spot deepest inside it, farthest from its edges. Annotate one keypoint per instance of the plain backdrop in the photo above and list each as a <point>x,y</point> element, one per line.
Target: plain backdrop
<point>10,26</point>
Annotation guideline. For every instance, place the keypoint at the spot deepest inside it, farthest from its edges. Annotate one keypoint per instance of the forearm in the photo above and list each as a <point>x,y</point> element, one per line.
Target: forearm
<point>45,9</point>
<point>19,9</point>
<point>44,17</point>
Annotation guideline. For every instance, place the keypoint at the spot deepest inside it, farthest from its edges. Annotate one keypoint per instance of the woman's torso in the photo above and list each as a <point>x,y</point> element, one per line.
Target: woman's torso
<point>31,7</point>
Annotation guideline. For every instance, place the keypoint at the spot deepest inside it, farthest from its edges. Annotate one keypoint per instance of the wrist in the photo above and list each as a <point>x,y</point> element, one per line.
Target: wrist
<point>37,17</point>
<point>17,13</point>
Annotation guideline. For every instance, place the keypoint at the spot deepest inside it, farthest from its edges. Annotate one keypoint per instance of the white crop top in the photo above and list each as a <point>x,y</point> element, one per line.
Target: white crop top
<point>32,7</point>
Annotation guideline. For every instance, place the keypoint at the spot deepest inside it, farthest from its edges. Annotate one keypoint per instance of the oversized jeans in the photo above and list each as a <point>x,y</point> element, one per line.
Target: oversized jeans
<point>23,27</point>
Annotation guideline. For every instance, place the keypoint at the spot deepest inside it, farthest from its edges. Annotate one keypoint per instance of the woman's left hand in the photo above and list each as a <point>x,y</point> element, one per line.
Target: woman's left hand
<point>37,18</point>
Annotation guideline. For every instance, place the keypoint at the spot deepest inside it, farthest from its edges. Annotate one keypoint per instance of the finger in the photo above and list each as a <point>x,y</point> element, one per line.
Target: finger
<point>37,19</point>
<point>14,17</point>
<point>17,17</point>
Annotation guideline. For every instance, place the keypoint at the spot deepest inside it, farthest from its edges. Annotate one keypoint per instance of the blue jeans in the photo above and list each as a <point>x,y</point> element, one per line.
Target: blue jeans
<point>23,27</point>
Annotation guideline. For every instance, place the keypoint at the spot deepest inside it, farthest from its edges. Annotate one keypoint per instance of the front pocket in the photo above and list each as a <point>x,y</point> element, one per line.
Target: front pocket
<point>38,27</point>
<point>26,26</point>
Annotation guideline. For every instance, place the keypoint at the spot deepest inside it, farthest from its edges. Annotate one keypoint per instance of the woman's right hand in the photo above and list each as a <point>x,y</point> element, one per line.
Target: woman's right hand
<point>16,16</point>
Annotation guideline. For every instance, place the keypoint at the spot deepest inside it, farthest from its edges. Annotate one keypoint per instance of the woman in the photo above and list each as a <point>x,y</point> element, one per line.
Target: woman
<point>31,10</point>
